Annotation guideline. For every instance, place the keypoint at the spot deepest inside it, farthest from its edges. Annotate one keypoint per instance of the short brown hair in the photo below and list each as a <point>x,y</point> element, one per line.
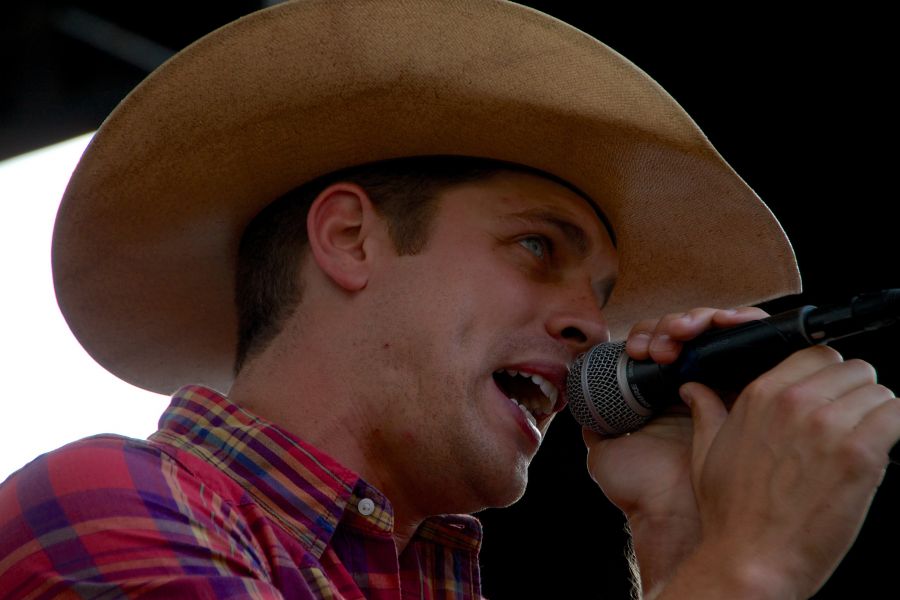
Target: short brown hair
<point>403,191</point>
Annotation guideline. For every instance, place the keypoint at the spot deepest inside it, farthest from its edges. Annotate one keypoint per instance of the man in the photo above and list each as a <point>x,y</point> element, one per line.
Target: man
<point>380,390</point>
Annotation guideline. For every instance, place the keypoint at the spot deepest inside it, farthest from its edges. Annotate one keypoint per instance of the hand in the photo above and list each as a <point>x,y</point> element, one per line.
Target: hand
<point>783,482</point>
<point>648,472</point>
<point>769,495</point>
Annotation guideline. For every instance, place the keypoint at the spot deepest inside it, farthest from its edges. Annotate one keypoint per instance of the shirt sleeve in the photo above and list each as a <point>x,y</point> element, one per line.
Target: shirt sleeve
<point>112,517</point>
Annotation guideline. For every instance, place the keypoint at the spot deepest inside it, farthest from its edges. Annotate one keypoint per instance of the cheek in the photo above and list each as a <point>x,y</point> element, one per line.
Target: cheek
<point>511,296</point>
<point>456,308</point>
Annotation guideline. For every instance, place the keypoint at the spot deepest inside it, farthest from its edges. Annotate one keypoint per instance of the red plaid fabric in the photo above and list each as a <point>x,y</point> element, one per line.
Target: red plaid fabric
<point>216,504</point>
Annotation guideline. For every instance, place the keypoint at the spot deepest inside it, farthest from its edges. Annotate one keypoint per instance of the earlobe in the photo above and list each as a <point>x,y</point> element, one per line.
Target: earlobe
<point>338,224</point>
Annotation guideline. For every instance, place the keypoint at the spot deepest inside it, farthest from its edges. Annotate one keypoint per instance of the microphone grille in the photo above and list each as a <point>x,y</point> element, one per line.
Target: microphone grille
<point>595,394</point>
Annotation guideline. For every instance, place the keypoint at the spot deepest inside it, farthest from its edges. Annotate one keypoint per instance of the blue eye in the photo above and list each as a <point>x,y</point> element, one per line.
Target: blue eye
<point>536,245</point>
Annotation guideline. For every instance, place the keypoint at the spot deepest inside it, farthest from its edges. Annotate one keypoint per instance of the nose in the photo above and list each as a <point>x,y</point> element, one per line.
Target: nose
<point>578,324</point>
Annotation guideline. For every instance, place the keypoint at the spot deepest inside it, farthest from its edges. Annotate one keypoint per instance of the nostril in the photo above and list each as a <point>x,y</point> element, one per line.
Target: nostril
<point>573,333</point>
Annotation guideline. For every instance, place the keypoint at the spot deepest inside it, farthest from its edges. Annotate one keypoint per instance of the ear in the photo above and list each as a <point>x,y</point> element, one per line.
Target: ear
<point>340,223</point>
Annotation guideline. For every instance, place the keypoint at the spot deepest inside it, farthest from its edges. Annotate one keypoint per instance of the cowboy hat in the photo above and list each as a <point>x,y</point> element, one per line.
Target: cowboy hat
<point>146,237</point>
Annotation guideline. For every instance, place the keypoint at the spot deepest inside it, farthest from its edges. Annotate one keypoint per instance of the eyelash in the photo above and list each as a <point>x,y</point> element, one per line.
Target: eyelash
<point>546,246</point>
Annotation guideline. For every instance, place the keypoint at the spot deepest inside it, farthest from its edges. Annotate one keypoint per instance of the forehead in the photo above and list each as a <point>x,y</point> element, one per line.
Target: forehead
<point>511,194</point>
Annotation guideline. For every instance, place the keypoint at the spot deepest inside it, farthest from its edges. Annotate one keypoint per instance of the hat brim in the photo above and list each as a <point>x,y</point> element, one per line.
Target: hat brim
<point>146,238</point>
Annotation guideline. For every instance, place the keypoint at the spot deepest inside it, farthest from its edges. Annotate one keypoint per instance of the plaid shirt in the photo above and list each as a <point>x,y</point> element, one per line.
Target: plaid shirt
<point>216,504</point>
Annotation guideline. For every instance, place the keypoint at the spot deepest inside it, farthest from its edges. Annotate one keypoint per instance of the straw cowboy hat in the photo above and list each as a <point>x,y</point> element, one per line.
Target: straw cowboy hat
<point>146,237</point>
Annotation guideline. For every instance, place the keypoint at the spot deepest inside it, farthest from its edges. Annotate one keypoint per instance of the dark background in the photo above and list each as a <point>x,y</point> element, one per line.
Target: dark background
<point>800,106</point>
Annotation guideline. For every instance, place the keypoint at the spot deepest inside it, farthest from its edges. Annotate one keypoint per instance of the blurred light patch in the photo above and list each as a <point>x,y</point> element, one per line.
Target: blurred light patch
<point>53,392</point>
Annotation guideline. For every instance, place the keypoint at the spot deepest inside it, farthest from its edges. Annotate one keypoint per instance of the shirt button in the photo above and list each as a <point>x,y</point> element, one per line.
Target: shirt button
<point>366,507</point>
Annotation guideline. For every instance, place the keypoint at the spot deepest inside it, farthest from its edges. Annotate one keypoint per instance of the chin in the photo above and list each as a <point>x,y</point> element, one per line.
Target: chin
<point>506,493</point>
<point>512,498</point>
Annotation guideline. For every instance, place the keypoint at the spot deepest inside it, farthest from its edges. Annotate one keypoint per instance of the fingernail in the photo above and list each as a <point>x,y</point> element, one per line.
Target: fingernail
<point>661,342</point>
<point>641,340</point>
<point>686,395</point>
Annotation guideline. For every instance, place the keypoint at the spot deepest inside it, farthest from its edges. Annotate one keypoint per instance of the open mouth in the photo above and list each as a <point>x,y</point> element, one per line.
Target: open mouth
<point>534,395</point>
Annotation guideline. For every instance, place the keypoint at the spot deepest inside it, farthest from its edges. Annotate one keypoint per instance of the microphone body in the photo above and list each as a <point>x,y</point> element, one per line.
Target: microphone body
<point>612,394</point>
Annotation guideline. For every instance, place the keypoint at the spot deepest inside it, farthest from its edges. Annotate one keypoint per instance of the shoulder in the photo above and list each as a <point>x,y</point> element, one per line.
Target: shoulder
<point>105,475</point>
<point>77,472</point>
<point>110,506</point>
<point>99,456</point>
<point>115,469</point>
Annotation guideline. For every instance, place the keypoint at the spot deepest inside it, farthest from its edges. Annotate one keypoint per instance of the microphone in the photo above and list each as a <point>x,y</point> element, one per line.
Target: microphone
<point>612,394</point>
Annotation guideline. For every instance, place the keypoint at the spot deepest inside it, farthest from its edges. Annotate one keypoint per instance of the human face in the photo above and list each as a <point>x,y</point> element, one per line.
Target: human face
<point>513,278</point>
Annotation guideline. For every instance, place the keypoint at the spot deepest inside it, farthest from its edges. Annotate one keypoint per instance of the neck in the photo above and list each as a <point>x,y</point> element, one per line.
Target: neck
<point>335,418</point>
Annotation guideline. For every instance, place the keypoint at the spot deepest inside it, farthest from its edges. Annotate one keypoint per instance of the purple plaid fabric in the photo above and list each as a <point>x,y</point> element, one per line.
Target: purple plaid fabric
<point>216,504</point>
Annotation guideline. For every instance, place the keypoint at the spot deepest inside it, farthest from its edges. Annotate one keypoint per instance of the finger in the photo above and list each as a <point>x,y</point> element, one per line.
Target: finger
<point>660,332</point>
<point>834,420</point>
<point>699,319</point>
<point>672,330</point>
<point>830,383</point>
<point>708,413</point>
<point>840,378</point>
<point>858,403</point>
<point>880,428</point>
<point>590,437</point>
<point>594,440</point>
<point>730,318</point>
<point>661,339</point>
<point>798,367</point>
<point>638,343</point>
<point>675,329</point>
<point>688,325</point>
<point>595,444</point>
<point>667,333</point>
<point>792,389</point>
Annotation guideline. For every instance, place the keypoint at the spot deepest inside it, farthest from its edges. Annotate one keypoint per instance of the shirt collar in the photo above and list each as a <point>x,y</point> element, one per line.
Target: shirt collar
<point>303,488</point>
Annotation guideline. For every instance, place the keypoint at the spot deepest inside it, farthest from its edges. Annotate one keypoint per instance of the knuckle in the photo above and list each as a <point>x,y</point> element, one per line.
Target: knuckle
<point>825,353</point>
<point>754,311</point>
<point>862,369</point>
<point>891,405</point>
<point>666,322</point>
<point>701,312</point>
<point>883,392</point>
<point>763,387</point>
<point>858,457</point>
<point>794,393</point>
<point>824,420</point>
<point>731,317</point>
<point>643,326</point>
<point>795,396</point>
<point>757,387</point>
<point>748,313</point>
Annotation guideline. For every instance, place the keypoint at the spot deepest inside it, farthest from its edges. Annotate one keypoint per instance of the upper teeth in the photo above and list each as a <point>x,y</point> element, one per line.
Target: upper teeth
<point>539,407</point>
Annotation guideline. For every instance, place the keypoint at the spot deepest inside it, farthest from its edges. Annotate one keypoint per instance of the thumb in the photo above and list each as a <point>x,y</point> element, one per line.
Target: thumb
<point>708,413</point>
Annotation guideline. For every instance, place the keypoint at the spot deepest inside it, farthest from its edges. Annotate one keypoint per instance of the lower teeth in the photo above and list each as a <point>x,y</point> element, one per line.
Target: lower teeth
<point>528,415</point>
